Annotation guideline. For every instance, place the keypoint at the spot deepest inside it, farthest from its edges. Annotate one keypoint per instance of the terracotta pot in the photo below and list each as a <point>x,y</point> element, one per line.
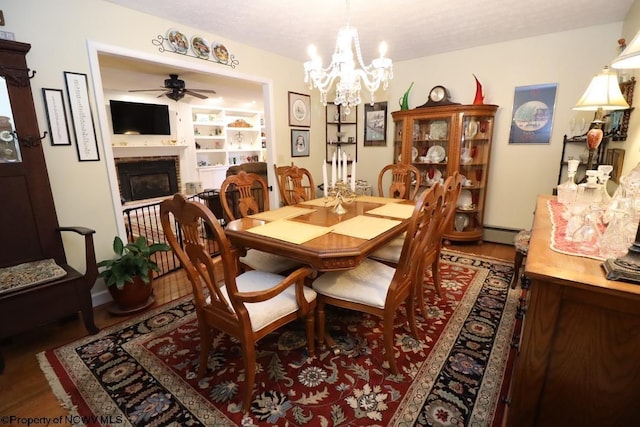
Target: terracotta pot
<point>134,296</point>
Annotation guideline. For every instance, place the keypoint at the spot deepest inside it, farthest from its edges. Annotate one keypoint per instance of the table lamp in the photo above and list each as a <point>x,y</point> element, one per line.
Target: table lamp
<point>602,94</point>
<point>627,267</point>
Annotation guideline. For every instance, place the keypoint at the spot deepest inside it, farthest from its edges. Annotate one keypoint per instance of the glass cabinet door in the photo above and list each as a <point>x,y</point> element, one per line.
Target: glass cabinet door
<point>474,161</point>
<point>430,148</point>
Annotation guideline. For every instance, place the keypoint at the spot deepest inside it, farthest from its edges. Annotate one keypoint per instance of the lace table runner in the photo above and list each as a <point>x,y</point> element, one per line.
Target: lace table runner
<point>558,241</point>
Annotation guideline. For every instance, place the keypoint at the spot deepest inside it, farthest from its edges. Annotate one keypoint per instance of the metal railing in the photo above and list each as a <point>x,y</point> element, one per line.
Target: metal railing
<point>145,221</point>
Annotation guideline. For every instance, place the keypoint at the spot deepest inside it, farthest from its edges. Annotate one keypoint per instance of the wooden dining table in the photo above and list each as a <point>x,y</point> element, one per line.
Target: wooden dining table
<point>313,233</point>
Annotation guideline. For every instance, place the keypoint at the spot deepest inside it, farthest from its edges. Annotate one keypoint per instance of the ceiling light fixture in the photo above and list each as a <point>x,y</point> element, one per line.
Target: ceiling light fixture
<point>343,69</point>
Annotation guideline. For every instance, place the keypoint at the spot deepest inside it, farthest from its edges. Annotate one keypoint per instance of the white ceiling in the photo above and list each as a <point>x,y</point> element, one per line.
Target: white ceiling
<point>411,28</point>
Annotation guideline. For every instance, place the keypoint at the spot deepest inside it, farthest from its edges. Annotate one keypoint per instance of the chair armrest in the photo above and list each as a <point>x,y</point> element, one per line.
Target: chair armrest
<point>91,273</point>
<point>295,278</point>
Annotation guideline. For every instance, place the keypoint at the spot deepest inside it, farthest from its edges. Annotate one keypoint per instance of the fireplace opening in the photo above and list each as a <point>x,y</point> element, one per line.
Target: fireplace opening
<point>147,179</point>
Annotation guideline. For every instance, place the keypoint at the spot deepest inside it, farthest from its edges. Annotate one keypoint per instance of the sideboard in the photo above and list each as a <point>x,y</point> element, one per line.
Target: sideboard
<point>579,352</point>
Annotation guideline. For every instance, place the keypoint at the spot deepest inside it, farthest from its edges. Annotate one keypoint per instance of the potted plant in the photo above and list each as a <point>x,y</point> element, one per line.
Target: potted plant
<point>129,276</point>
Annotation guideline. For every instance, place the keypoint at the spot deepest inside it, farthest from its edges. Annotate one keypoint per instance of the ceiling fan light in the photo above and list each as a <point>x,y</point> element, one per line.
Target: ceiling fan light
<point>176,96</point>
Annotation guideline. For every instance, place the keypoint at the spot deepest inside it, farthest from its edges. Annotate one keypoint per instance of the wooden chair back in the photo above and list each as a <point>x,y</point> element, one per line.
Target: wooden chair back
<point>403,177</point>
<point>224,306</point>
<point>241,195</point>
<point>296,184</point>
<point>279,170</point>
<point>452,189</point>
<point>421,235</point>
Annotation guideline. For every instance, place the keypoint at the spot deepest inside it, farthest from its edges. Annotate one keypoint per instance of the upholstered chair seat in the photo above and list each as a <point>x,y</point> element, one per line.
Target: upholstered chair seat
<point>267,312</point>
<point>366,284</point>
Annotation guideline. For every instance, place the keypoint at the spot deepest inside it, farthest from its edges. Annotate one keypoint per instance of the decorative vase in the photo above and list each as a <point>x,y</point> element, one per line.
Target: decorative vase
<point>404,101</point>
<point>133,297</point>
<point>479,98</point>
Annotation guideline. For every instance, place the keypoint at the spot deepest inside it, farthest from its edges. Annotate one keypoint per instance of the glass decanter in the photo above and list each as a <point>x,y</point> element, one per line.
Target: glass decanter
<point>568,190</point>
<point>604,173</point>
<point>616,239</point>
<point>590,192</point>
<point>588,234</point>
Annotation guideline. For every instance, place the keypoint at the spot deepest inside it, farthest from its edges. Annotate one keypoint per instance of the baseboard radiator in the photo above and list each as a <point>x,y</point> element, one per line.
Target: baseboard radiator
<point>499,234</point>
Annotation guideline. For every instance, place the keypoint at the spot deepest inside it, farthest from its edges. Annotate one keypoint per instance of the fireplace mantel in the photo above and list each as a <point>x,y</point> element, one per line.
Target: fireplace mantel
<point>147,150</point>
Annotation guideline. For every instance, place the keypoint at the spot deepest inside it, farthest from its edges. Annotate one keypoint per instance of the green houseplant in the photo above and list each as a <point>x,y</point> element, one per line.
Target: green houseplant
<point>129,275</point>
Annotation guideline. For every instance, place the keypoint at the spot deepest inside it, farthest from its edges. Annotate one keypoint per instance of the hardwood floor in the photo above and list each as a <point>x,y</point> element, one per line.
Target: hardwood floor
<point>24,390</point>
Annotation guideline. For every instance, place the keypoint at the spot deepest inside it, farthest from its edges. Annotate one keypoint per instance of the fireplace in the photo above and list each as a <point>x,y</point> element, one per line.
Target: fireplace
<point>147,178</point>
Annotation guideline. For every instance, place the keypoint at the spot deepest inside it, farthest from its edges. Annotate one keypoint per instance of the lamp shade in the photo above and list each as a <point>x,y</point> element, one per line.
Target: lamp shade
<point>630,56</point>
<point>603,93</point>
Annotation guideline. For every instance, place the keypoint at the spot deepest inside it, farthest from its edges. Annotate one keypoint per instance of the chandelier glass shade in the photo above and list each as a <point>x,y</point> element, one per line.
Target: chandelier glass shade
<point>348,71</point>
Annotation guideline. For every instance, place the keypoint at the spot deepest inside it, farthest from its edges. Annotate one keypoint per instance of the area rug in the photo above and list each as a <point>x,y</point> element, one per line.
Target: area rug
<point>143,371</point>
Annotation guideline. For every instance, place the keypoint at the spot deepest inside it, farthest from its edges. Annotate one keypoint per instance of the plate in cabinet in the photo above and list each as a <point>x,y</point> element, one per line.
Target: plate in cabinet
<point>438,130</point>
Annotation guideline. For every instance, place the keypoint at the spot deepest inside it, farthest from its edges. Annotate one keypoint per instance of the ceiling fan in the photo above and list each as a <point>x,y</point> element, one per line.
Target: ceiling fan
<point>174,88</point>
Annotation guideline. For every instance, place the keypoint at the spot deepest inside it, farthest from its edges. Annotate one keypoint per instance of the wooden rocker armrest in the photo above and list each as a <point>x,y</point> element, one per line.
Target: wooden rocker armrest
<point>295,278</point>
<point>91,273</point>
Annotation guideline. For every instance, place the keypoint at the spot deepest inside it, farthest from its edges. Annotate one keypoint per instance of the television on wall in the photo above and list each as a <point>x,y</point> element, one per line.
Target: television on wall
<point>137,118</point>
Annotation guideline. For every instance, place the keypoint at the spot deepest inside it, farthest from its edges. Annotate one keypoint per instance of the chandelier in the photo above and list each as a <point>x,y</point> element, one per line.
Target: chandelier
<point>343,69</point>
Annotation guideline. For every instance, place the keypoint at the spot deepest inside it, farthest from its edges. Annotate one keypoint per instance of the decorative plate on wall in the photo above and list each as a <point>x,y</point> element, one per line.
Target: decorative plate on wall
<point>178,41</point>
<point>220,52</point>
<point>200,47</point>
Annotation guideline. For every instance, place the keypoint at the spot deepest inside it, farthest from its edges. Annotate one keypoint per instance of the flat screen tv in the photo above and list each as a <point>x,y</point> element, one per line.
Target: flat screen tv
<point>137,118</point>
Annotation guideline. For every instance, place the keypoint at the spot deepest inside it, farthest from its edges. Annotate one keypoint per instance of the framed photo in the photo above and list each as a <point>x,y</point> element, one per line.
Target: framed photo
<point>81,116</point>
<point>56,116</point>
<point>299,110</point>
<point>300,142</point>
<point>375,124</point>
<point>532,118</point>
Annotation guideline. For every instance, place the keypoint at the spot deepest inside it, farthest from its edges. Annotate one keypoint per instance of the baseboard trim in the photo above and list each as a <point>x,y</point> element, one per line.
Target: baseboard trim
<point>101,297</point>
<point>499,234</point>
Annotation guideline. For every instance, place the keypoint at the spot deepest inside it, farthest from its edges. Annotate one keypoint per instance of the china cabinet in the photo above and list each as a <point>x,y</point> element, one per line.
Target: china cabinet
<point>342,131</point>
<point>225,137</point>
<point>442,140</point>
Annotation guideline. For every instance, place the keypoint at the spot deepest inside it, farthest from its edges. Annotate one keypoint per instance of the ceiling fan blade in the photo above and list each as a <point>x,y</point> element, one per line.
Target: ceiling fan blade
<point>196,94</point>
<point>204,90</point>
<point>146,90</point>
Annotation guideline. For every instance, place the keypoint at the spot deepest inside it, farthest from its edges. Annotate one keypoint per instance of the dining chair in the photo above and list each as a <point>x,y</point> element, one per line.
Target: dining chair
<point>295,184</point>
<point>240,195</point>
<point>390,253</point>
<point>279,170</point>
<point>403,176</point>
<point>379,289</point>
<point>248,305</point>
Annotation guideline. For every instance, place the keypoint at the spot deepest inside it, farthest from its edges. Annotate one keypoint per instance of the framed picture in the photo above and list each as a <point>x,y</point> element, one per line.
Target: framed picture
<point>300,142</point>
<point>81,116</point>
<point>532,118</point>
<point>56,116</point>
<point>375,124</point>
<point>299,110</point>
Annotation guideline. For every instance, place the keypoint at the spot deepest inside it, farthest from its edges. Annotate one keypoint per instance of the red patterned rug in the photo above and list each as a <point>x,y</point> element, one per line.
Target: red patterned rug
<point>144,370</point>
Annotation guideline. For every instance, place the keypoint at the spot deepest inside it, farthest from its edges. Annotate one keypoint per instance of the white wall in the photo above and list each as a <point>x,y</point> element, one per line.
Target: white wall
<point>60,32</point>
<point>632,145</point>
<point>518,172</point>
